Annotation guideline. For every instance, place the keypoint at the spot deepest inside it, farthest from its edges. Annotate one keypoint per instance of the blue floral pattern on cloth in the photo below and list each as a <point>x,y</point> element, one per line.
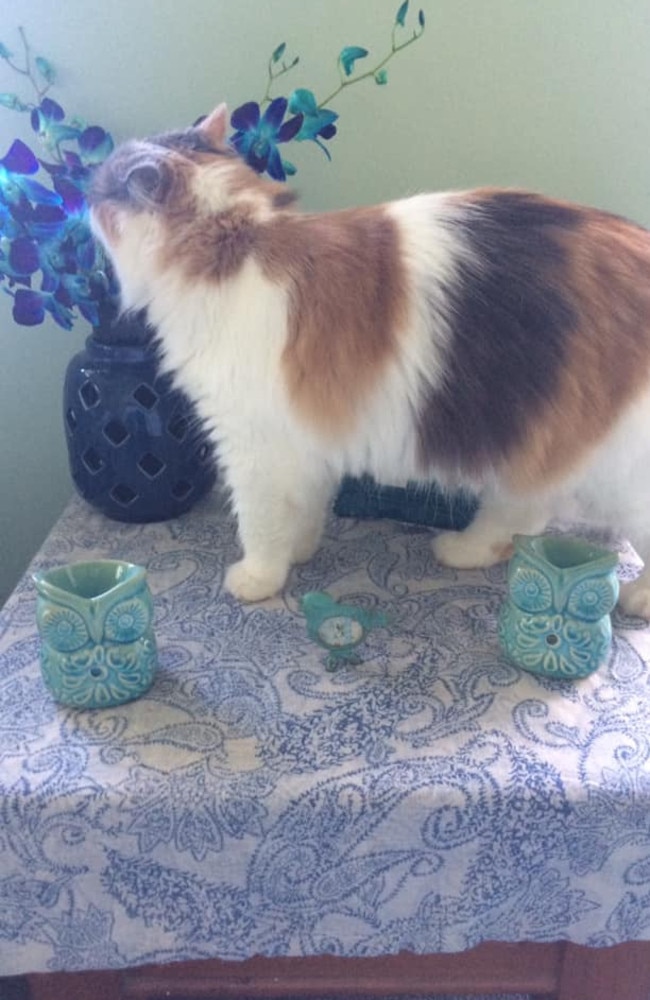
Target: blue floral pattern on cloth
<point>428,798</point>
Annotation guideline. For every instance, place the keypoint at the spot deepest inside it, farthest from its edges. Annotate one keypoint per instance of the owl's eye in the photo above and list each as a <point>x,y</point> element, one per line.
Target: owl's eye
<point>63,629</point>
<point>591,599</point>
<point>530,590</point>
<point>127,621</point>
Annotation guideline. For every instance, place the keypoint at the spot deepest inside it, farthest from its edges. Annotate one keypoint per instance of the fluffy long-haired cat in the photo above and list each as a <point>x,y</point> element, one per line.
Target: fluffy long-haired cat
<point>492,339</point>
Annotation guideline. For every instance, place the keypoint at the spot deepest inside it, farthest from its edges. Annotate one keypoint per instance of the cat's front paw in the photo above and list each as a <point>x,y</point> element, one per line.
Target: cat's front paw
<point>464,550</point>
<point>248,582</point>
<point>635,598</point>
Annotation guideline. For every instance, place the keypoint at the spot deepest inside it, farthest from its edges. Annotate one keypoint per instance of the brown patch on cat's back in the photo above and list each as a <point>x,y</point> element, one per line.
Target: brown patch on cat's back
<point>607,361</point>
<point>213,243</point>
<point>347,303</point>
<point>208,245</point>
<point>211,249</point>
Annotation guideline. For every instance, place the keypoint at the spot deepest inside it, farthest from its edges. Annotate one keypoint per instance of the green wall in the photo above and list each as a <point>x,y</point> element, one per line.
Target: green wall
<point>548,94</point>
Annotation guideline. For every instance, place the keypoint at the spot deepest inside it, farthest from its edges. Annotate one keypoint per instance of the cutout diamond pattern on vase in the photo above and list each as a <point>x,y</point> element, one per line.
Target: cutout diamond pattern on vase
<point>151,465</point>
<point>145,396</point>
<point>93,461</point>
<point>116,432</point>
<point>123,494</point>
<point>89,394</point>
<point>137,450</point>
<point>181,489</point>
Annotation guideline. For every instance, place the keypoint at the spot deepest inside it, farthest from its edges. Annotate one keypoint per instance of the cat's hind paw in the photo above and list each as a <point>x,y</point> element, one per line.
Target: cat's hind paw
<point>248,582</point>
<point>467,550</point>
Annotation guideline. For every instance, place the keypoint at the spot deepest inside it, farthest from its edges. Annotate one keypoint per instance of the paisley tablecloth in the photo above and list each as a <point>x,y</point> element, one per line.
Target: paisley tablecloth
<point>253,802</point>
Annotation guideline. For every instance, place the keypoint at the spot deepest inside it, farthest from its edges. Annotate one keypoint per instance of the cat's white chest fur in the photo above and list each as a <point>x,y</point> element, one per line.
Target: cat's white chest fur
<point>224,344</point>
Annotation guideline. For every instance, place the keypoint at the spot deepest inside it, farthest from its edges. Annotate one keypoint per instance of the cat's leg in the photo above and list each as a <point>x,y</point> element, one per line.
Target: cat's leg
<point>310,523</point>
<point>488,539</point>
<point>280,507</point>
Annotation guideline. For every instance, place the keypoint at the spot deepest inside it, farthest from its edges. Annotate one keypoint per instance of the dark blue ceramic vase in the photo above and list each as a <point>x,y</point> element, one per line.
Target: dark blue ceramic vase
<point>136,449</point>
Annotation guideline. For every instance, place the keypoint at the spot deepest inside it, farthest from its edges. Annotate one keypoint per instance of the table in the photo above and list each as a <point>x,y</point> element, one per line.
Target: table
<point>255,804</point>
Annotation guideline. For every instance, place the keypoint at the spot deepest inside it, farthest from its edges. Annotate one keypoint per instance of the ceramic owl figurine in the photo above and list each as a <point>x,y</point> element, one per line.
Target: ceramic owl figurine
<point>338,628</point>
<point>556,619</point>
<point>95,622</point>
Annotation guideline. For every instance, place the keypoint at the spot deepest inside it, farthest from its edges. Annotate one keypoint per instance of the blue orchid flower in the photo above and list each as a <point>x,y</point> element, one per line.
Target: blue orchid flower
<point>24,257</point>
<point>257,136</point>
<point>45,235</point>
<point>95,144</point>
<point>317,123</point>
<point>16,184</point>
<point>48,121</point>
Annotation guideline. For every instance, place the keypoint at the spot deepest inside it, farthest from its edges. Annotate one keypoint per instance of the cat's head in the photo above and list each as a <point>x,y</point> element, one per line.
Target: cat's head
<point>153,195</point>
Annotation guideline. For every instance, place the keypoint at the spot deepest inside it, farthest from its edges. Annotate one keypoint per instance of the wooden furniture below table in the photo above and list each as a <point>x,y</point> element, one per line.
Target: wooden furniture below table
<point>556,970</point>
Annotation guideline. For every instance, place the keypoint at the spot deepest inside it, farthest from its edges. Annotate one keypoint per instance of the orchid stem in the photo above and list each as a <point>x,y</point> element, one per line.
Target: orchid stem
<point>27,71</point>
<point>371,72</point>
<point>273,77</point>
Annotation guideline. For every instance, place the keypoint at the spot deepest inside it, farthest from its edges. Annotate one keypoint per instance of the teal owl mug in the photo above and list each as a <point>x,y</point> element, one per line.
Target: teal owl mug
<point>556,618</point>
<point>95,621</point>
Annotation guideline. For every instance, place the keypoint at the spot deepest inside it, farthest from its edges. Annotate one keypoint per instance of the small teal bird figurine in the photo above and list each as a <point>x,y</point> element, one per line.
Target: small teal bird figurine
<point>338,628</point>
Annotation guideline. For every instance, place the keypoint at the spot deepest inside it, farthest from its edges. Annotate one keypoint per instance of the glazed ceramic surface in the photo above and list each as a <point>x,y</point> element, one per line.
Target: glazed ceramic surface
<point>556,618</point>
<point>136,449</point>
<point>95,623</point>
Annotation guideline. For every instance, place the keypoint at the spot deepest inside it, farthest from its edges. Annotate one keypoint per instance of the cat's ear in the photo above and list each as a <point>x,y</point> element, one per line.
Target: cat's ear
<point>148,182</point>
<point>215,125</point>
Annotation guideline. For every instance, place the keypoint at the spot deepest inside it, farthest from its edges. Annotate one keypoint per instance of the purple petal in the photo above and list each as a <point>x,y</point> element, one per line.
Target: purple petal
<point>246,117</point>
<point>86,255</point>
<point>274,167</point>
<point>53,169</point>
<point>91,138</point>
<point>51,110</point>
<point>328,131</point>
<point>72,160</point>
<point>290,129</point>
<point>95,144</point>
<point>46,222</point>
<point>275,112</point>
<point>21,210</point>
<point>39,194</point>
<point>28,307</point>
<point>258,163</point>
<point>20,159</point>
<point>23,256</point>
<point>49,214</point>
<point>73,197</point>
<point>50,281</point>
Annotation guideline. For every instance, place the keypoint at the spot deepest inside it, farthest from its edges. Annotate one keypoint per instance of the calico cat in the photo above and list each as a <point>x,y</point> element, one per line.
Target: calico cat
<point>491,339</point>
